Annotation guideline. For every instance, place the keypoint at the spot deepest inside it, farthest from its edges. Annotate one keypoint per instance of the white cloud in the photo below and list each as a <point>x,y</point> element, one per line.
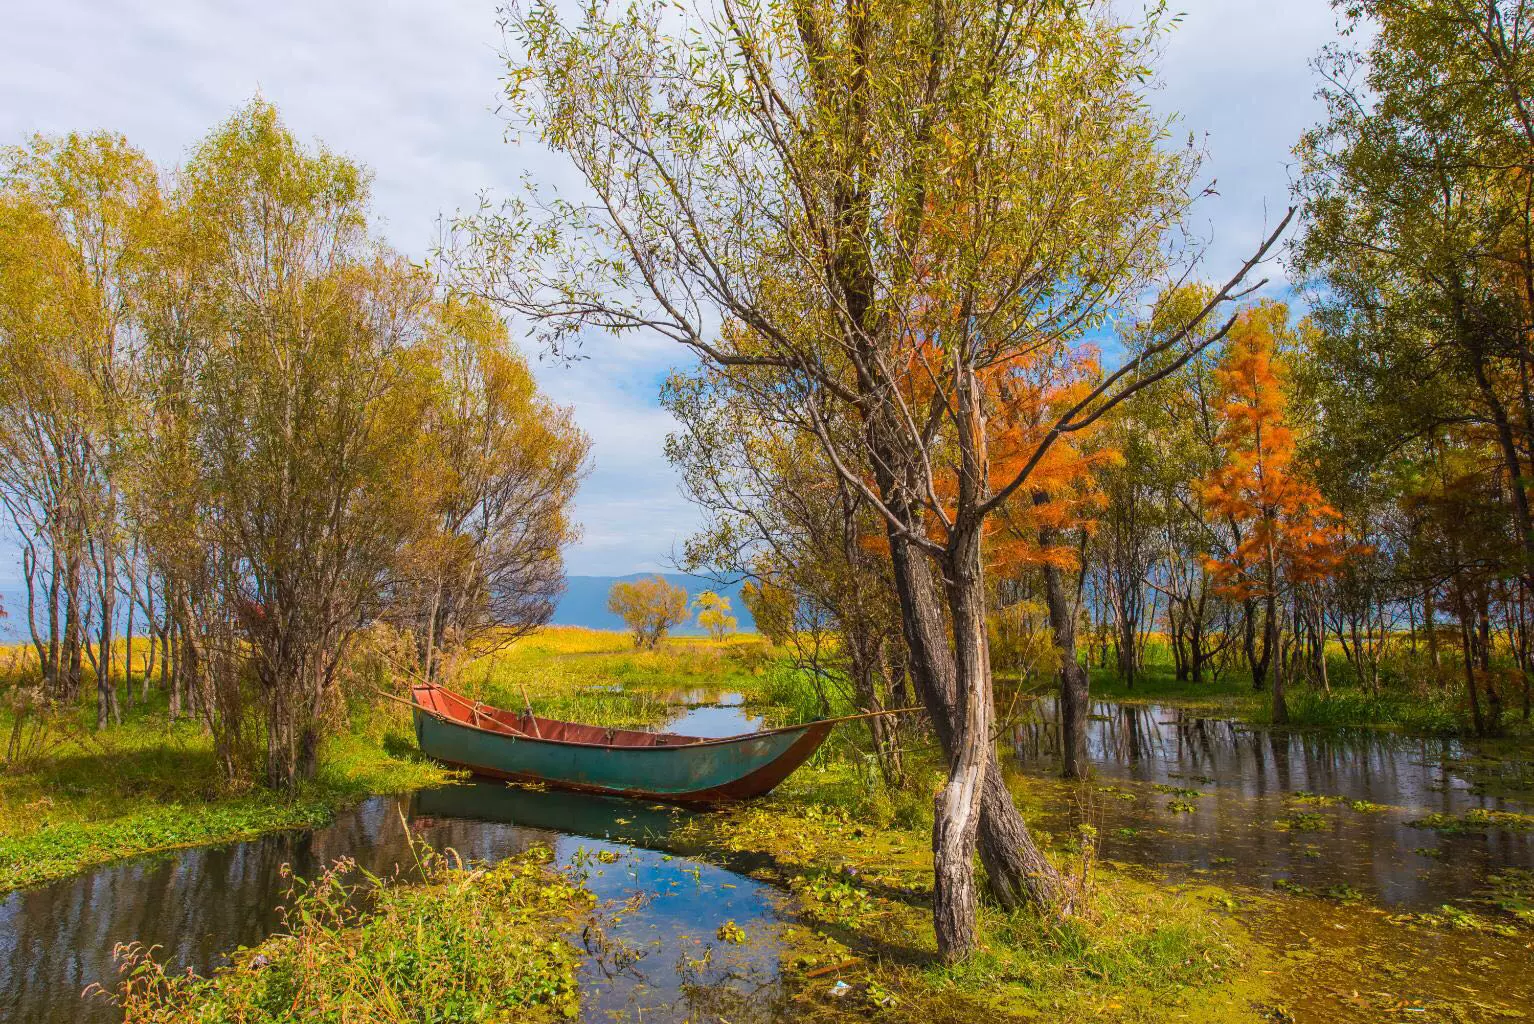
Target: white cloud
<point>410,88</point>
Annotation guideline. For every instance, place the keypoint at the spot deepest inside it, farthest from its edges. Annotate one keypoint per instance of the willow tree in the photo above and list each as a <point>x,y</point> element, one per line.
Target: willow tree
<point>506,464</point>
<point>289,404</point>
<point>899,204</point>
<point>76,217</point>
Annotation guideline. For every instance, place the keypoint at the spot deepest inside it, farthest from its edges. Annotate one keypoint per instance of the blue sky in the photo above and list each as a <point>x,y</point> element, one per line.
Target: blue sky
<point>410,89</point>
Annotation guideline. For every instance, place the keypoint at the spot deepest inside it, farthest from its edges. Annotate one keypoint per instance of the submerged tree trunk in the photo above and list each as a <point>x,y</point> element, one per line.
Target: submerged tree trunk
<point>1074,684</point>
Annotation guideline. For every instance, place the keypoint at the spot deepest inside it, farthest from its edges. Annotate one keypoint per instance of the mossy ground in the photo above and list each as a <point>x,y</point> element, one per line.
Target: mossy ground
<point>1134,950</point>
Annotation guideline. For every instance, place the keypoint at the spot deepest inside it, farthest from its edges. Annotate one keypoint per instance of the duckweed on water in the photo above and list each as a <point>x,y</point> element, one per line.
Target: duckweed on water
<point>1476,821</point>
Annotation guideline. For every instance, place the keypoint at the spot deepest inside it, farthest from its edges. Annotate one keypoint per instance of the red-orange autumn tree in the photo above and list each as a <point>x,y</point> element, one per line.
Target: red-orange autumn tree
<point>1035,528</point>
<point>1286,535</point>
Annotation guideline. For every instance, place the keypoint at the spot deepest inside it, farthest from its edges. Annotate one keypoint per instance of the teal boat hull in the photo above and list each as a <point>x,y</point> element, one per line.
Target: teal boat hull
<point>657,766</point>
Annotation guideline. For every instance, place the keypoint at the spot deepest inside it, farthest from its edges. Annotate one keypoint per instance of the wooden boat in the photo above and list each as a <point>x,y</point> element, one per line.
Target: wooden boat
<point>627,762</point>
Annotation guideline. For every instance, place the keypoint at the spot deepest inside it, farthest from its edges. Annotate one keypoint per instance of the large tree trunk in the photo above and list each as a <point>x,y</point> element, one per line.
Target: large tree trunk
<point>957,820</point>
<point>1017,871</point>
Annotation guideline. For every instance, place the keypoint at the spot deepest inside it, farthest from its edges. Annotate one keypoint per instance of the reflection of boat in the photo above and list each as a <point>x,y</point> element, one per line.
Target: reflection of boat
<point>582,814</point>
<point>626,762</point>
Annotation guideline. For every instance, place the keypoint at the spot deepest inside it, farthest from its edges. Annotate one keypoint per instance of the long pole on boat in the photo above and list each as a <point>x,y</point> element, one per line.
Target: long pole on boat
<point>531,718</point>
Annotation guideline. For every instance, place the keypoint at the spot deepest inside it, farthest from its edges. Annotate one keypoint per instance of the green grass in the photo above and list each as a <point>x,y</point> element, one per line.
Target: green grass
<point>1132,951</point>
<point>148,785</point>
<point>599,677</point>
<point>1419,710</point>
<point>465,946</point>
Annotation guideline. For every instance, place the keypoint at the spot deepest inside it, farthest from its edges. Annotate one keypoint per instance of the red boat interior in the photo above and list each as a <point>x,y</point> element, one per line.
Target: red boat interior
<point>459,709</point>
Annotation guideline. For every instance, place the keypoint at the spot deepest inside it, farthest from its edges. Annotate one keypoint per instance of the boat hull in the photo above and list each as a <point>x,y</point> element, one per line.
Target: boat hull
<point>696,772</point>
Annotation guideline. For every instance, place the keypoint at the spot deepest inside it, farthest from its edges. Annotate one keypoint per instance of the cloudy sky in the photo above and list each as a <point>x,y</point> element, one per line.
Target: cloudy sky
<point>410,90</point>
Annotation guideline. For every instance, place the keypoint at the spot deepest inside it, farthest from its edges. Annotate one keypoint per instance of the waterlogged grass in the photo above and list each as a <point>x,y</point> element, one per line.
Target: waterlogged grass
<point>148,785</point>
<point>465,946</point>
<point>1427,711</point>
<point>863,943</point>
<point>1431,714</point>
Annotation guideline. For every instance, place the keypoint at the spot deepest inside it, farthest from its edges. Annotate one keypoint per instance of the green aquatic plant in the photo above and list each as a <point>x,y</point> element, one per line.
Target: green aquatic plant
<point>1476,821</point>
<point>1305,798</point>
<point>1512,892</point>
<point>1452,918</point>
<point>1302,821</point>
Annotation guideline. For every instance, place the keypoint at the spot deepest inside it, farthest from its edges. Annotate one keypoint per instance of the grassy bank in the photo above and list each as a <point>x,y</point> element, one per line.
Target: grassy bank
<point>590,675</point>
<point>149,785</point>
<point>480,944</point>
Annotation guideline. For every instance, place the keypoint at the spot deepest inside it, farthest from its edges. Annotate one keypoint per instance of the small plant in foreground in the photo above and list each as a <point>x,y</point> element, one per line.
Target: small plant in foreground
<point>466,946</point>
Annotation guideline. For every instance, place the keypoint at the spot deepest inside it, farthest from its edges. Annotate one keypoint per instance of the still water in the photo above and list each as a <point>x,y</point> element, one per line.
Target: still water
<point>661,961</point>
<point>1324,811</point>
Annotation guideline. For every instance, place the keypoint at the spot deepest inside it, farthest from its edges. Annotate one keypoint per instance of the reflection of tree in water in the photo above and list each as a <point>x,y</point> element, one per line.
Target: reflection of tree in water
<point>1250,820</point>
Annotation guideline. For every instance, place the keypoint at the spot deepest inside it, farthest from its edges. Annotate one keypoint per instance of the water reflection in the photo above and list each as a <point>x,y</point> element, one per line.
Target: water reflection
<point>1197,793</point>
<point>197,904</point>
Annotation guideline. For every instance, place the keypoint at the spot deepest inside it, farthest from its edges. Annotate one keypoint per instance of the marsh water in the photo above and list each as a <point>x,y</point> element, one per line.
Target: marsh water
<point>658,957</point>
<point>1329,812</point>
<point>1178,794</point>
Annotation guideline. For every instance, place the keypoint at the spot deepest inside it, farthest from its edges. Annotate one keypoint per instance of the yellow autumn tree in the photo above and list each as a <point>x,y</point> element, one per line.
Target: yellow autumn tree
<point>714,615</point>
<point>650,607</point>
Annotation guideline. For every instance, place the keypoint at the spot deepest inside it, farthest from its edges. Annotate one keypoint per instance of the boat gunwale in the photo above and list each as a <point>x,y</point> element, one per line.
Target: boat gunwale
<point>695,741</point>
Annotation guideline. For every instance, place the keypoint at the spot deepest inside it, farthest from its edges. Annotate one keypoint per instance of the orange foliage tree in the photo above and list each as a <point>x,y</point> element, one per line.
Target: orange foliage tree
<point>1286,535</point>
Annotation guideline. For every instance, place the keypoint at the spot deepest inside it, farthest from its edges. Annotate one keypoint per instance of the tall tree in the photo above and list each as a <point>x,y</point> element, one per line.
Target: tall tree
<point>75,219</point>
<point>300,401</point>
<point>1287,535</point>
<point>506,464</point>
<point>889,199</point>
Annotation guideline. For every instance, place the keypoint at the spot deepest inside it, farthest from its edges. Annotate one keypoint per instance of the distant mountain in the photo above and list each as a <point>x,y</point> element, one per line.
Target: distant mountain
<point>584,604</point>
<point>585,601</point>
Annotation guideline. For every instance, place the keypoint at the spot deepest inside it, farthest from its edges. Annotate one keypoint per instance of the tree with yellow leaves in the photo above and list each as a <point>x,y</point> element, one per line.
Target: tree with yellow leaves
<point>714,614</point>
<point>650,607</point>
